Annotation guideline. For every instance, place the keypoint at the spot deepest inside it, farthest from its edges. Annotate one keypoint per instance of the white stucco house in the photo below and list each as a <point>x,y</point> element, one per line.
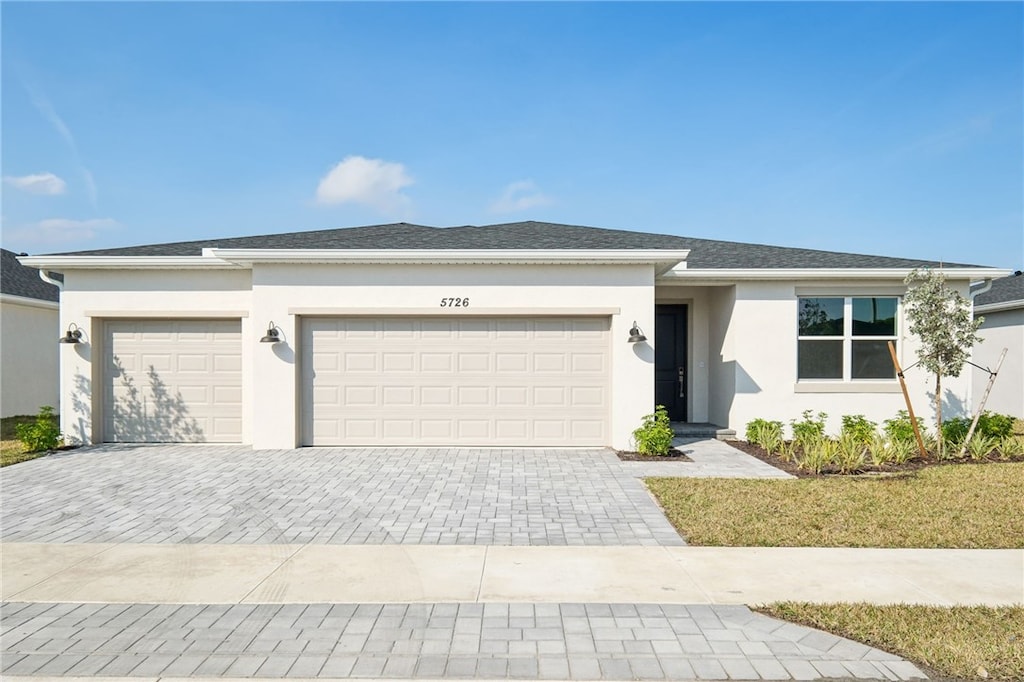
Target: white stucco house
<point>1003,309</point>
<point>522,334</point>
<point>29,324</point>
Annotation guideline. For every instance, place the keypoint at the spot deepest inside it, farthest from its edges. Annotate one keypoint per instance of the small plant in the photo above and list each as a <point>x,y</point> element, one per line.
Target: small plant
<point>787,451</point>
<point>767,434</point>
<point>818,455</point>
<point>880,451</point>
<point>902,451</point>
<point>980,446</point>
<point>810,428</point>
<point>995,425</point>
<point>899,427</point>
<point>954,431</point>
<point>654,436</point>
<point>858,427</point>
<point>1011,446</point>
<point>849,453</point>
<point>43,434</point>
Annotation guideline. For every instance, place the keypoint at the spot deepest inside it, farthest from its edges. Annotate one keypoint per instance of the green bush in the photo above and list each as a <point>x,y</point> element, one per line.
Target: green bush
<point>810,428</point>
<point>654,437</point>
<point>858,427</point>
<point>767,434</point>
<point>990,425</point>
<point>900,429</point>
<point>43,434</point>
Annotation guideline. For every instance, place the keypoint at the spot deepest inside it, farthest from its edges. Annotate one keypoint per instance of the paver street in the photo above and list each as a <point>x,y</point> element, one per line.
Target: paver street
<point>485,641</point>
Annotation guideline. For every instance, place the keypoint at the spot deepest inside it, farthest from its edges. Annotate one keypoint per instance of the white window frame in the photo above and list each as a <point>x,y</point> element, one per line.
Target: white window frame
<point>848,338</point>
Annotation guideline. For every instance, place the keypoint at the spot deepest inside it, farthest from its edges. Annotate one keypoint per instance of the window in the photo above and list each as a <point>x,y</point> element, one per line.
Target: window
<point>844,339</point>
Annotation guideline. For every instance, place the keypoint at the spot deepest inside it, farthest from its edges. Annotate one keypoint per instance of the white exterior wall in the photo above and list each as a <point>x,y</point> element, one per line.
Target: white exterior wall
<point>92,296</point>
<point>1002,329</point>
<point>283,293</point>
<point>763,337</point>
<point>29,331</point>
<point>721,354</point>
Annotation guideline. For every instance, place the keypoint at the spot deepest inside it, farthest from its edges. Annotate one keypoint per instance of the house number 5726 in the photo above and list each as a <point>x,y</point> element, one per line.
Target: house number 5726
<point>454,302</point>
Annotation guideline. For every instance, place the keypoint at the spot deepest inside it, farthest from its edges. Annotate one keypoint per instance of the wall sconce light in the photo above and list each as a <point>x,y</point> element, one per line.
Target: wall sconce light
<point>73,335</point>
<point>635,335</point>
<point>273,334</point>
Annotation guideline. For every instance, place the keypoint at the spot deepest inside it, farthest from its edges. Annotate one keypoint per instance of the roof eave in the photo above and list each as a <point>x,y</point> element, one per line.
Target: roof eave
<point>999,307</point>
<point>62,263</point>
<point>715,275</point>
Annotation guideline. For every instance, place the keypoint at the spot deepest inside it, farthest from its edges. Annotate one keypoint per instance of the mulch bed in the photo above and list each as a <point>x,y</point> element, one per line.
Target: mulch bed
<point>909,466</point>
<point>674,455</point>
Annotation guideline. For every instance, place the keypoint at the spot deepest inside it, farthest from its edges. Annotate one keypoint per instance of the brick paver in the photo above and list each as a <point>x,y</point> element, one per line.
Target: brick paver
<point>234,495</point>
<point>495,641</point>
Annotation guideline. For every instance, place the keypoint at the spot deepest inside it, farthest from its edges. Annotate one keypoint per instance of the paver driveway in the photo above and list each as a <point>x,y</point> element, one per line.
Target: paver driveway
<point>230,494</point>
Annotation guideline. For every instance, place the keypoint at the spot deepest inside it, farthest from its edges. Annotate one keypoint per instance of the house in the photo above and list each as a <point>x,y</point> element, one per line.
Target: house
<point>521,334</point>
<point>29,328</point>
<point>1003,309</point>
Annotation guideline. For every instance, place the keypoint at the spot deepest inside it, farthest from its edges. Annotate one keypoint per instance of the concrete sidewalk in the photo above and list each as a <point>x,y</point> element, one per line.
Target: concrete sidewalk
<point>301,574</point>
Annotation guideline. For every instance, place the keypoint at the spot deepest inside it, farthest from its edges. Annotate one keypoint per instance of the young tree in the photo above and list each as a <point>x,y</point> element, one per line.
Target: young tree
<point>941,319</point>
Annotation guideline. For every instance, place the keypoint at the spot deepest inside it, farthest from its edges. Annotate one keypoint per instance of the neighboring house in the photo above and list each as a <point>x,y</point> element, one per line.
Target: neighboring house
<point>504,335</point>
<point>1003,309</point>
<point>29,329</point>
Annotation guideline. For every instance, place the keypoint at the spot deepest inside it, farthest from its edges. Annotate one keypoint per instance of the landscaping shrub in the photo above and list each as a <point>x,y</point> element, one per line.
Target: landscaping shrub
<point>767,434</point>
<point>817,455</point>
<point>858,427</point>
<point>809,429</point>
<point>850,454</point>
<point>980,446</point>
<point>654,436</point>
<point>42,434</point>
<point>899,427</point>
<point>1012,446</point>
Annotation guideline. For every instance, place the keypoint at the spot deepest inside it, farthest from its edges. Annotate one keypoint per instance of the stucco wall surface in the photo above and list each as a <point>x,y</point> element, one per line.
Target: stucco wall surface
<point>1004,329</point>
<point>28,358</point>
<point>759,354</point>
<point>92,296</point>
<point>284,293</point>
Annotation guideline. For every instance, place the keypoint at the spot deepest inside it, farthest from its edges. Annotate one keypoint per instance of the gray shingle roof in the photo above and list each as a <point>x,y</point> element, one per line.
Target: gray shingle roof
<point>705,253</point>
<point>19,280</point>
<point>1004,290</point>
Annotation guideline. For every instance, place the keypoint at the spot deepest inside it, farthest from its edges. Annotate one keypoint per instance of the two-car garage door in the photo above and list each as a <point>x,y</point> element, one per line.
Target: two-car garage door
<point>455,381</point>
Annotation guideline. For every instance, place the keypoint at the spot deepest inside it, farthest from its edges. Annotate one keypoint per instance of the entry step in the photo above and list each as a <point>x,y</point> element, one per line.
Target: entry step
<point>702,430</point>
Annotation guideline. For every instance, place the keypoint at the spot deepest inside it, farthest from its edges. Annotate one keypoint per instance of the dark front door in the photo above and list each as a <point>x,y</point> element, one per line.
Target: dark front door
<point>670,360</point>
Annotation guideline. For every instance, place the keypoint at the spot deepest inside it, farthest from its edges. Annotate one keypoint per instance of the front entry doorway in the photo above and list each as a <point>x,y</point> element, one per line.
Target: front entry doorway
<point>670,370</point>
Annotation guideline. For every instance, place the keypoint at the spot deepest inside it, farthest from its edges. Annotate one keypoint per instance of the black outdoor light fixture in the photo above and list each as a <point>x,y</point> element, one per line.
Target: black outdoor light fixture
<point>273,335</point>
<point>73,335</point>
<point>635,335</point>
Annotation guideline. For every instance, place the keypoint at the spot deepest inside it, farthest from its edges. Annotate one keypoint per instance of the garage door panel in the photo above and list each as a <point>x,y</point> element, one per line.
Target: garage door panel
<point>172,381</point>
<point>450,381</point>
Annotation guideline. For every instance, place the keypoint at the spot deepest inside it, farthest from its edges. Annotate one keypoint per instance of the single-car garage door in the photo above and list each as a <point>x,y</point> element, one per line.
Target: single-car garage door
<point>456,381</point>
<point>172,381</point>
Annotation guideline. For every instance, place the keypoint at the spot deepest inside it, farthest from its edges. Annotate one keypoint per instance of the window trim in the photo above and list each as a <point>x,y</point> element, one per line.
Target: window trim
<point>847,339</point>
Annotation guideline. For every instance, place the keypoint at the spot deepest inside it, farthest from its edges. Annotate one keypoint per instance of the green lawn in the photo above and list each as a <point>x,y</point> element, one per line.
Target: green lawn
<point>959,642</point>
<point>963,506</point>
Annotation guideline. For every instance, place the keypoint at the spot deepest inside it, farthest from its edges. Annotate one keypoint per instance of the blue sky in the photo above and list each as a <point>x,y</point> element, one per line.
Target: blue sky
<point>895,129</point>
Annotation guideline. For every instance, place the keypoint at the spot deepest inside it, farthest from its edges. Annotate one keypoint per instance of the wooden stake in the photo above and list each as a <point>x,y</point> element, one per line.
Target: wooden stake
<point>981,407</point>
<point>906,397</point>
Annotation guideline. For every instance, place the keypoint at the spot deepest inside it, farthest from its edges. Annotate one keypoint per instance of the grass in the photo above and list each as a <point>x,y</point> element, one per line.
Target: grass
<point>11,449</point>
<point>963,506</point>
<point>959,642</point>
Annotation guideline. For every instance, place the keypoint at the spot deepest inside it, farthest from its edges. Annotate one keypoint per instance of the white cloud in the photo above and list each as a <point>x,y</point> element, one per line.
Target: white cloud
<point>38,183</point>
<point>58,231</point>
<point>521,195</point>
<point>43,106</point>
<point>371,182</point>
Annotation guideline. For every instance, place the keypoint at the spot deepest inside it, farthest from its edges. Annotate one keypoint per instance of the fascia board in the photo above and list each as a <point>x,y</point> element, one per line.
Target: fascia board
<point>29,302</point>
<point>62,263</point>
<point>454,256</point>
<point>696,275</point>
<point>999,307</point>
